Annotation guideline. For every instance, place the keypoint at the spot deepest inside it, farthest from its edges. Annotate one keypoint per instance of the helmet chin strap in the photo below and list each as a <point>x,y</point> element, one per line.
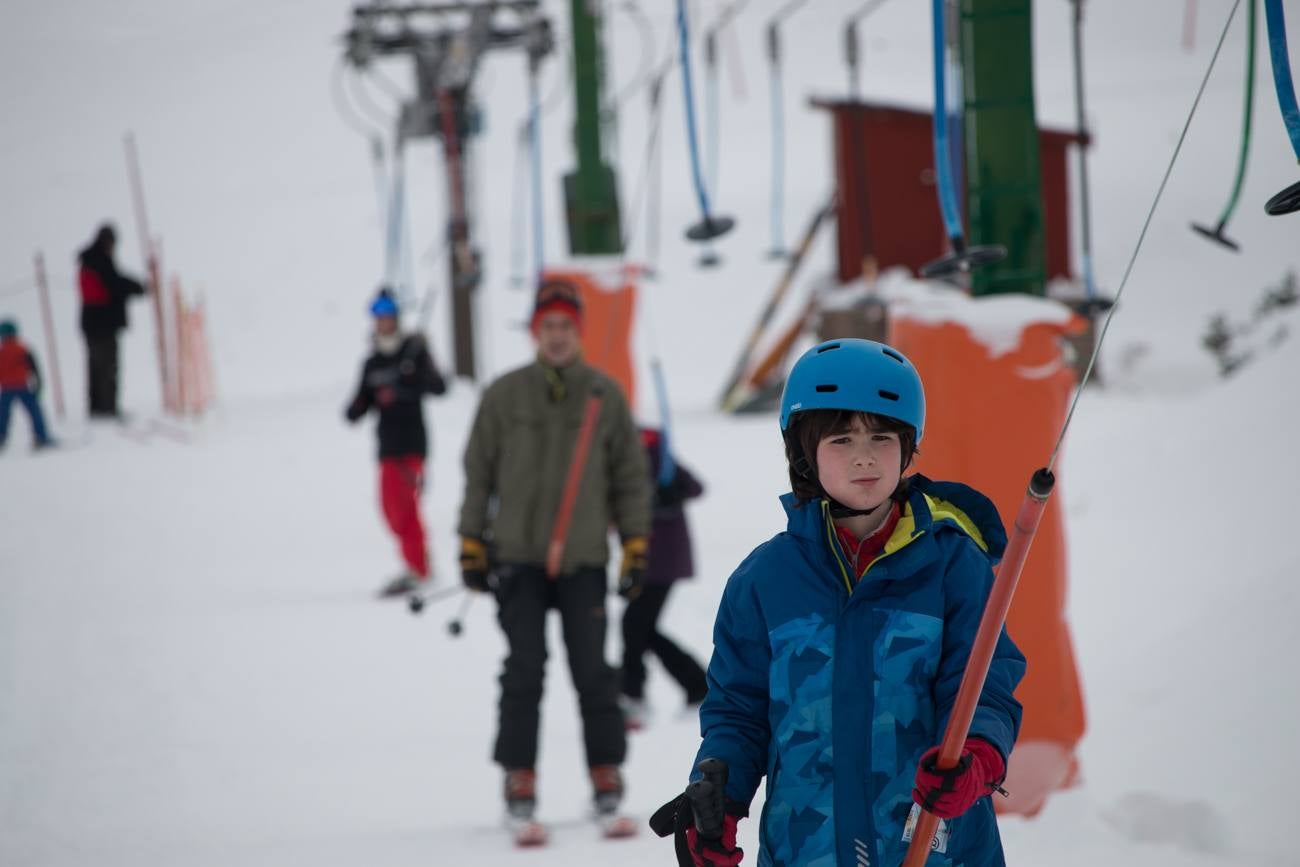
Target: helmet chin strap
<point>839,510</point>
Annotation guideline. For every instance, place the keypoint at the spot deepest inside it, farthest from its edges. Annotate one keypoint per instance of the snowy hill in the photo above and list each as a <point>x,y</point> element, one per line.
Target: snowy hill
<point>191,669</point>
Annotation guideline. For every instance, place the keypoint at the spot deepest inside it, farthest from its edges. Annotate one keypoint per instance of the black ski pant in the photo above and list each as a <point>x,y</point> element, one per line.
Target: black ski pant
<point>101,373</point>
<point>524,595</point>
<point>641,633</point>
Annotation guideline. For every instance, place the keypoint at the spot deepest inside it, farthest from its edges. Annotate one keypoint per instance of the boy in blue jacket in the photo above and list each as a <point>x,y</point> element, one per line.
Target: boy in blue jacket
<point>840,643</point>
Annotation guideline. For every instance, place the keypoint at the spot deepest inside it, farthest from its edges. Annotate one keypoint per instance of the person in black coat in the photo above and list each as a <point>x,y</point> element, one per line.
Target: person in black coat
<point>104,293</point>
<point>394,379</point>
<point>670,560</point>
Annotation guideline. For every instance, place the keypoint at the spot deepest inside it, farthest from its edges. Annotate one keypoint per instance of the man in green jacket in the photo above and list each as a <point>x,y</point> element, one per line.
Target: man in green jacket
<point>522,455</point>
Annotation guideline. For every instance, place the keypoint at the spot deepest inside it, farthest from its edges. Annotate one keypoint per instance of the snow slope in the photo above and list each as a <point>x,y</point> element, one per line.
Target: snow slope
<point>191,668</point>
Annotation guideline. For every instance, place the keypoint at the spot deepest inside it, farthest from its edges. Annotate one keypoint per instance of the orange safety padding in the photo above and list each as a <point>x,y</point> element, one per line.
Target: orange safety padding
<point>607,316</point>
<point>990,422</point>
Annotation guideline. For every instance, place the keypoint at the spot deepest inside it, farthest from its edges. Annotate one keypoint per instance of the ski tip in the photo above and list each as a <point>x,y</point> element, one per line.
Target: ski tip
<point>618,827</point>
<point>531,834</point>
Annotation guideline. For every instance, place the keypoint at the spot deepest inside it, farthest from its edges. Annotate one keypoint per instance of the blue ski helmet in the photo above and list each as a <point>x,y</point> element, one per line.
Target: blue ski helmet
<point>384,304</point>
<point>8,328</point>
<point>857,375</point>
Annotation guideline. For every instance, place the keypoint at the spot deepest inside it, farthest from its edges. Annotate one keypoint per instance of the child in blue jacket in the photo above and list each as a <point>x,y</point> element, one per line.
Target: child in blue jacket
<point>840,643</point>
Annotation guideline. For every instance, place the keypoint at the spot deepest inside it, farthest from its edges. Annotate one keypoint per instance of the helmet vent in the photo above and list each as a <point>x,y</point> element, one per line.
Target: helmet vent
<point>828,388</point>
<point>894,355</point>
<point>827,348</point>
<point>887,395</point>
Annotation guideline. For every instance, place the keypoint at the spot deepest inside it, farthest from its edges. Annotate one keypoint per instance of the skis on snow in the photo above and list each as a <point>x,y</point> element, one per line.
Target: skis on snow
<point>528,832</point>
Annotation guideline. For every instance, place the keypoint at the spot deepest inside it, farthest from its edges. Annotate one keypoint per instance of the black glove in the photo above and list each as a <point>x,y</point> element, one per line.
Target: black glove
<point>702,821</point>
<point>631,573</point>
<point>356,409</point>
<point>474,568</point>
<point>672,494</point>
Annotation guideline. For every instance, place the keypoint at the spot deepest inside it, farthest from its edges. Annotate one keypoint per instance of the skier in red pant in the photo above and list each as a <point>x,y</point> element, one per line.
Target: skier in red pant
<point>394,379</point>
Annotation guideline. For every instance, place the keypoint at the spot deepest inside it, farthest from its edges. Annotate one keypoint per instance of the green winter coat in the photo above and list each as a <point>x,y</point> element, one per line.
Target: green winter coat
<point>518,456</point>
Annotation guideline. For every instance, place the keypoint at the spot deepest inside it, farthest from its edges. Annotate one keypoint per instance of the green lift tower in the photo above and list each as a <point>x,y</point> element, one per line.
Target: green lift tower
<point>590,190</point>
<point>1003,188</point>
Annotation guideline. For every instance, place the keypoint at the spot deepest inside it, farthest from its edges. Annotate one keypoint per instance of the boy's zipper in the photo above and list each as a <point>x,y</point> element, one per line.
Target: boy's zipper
<point>835,547</point>
<point>846,572</point>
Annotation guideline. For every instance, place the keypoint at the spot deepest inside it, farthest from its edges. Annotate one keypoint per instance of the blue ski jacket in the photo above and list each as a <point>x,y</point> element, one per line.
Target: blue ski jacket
<point>834,690</point>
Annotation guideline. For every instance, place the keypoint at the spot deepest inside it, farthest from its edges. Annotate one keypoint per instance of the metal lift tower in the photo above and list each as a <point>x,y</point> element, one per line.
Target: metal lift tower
<point>446,41</point>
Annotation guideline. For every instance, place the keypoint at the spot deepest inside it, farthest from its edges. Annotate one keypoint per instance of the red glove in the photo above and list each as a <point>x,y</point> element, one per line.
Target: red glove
<point>950,793</point>
<point>385,396</point>
<point>722,852</point>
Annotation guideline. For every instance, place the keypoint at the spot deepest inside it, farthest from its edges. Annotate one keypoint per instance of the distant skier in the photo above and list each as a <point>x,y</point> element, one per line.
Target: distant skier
<point>840,643</point>
<point>519,461</point>
<point>670,560</point>
<point>104,293</point>
<point>395,377</point>
<point>20,380</point>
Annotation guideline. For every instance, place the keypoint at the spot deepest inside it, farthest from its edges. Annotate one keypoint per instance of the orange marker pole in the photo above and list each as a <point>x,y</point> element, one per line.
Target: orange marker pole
<point>180,367</point>
<point>43,283</point>
<point>981,653</point>
<point>152,266</point>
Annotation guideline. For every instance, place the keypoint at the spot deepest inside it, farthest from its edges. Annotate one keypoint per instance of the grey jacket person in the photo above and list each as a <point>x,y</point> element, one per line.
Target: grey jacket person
<point>518,455</point>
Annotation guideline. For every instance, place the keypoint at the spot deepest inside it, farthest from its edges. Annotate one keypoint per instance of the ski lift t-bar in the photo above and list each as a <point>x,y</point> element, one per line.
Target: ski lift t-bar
<point>710,225</point>
<point>852,52</point>
<point>962,258</point>
<point>1287,201</point>
<point>1022,536</point>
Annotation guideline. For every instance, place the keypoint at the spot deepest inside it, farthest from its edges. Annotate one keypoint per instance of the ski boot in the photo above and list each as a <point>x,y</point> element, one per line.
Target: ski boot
<point>403,585</point>
<point>607,786</point>
<point>521,804</point>
<point>635,713</point>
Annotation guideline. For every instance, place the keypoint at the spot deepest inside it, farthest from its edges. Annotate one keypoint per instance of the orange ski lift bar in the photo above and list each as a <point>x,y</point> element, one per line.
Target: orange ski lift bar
<point>1026,524</point>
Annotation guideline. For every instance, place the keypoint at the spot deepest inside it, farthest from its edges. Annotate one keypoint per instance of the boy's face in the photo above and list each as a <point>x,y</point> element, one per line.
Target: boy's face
<point>385,325</point>
<point>860,467</point>
<point>557,339</point>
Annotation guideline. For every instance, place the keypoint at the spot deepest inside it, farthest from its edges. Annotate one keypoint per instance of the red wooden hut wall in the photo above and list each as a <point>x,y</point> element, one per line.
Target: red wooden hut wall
<point>884,172</point>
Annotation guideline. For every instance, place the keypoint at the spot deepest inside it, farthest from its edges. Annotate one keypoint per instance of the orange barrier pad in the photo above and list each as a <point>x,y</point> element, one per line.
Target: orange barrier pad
<point>990,422</point>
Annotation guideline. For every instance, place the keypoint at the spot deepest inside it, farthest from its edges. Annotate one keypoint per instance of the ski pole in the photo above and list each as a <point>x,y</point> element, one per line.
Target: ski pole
<point>417,602</point>
<point>981,653</point>
<point>456,625</point>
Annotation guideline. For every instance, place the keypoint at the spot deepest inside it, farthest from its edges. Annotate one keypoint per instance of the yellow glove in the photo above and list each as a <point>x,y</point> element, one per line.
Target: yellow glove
<point>474,567</point>
<point>631,574</point>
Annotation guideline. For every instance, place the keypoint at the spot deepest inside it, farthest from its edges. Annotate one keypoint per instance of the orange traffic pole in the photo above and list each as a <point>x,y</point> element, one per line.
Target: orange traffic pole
<point>179,367</point>
<point>43,284</point>
<point>981,652</point>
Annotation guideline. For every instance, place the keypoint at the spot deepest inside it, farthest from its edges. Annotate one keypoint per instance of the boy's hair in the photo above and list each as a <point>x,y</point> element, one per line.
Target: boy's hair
<point>811,427</point>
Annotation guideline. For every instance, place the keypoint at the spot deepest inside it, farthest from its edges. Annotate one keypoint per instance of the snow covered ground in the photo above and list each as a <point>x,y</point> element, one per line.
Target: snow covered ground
<point>192,670</point>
